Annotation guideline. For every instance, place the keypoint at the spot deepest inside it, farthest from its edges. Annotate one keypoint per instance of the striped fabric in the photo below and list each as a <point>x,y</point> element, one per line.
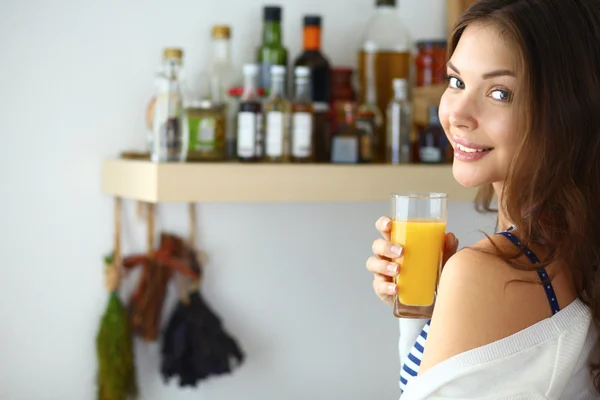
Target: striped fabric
<point>410,369</point>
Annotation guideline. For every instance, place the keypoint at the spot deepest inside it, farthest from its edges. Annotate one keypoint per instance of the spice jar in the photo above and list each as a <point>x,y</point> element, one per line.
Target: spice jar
<point>342,92</point>
<point>430,63</point>
<point>207,127</point>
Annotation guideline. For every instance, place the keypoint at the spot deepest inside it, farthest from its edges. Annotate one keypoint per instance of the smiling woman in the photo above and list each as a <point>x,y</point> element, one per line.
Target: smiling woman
<point>516,315</point>
<point>476,110</point>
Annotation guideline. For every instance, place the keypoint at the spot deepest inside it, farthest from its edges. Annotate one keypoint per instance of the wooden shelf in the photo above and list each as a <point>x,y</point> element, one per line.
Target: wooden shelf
<point>235,182</point>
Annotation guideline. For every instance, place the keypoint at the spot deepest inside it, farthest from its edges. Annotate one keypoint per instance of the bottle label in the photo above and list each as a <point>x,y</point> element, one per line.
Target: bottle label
<point>430,155</point>
<point>260,136</point>
<point>275,128</point>
<point>302,125</point>
<point>367,139</point>
<point>203,133</point>
<point>246,140</point>
<point>344,150</point>
<point>170,139</point>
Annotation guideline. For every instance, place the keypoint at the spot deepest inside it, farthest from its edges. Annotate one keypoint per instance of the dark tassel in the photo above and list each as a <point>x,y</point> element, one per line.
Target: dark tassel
<point>195,345</point>
<point>114,348</point>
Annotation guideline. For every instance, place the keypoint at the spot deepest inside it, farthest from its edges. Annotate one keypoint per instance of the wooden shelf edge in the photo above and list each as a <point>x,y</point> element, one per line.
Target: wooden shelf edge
<point>235,182</point>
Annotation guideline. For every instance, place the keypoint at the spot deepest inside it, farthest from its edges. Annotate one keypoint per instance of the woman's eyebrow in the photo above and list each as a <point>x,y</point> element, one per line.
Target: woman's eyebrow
<point>488,75</point>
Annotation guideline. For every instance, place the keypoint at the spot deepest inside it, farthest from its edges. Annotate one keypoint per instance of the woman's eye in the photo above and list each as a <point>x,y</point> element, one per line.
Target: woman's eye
<point>455,83</point>
<point>501,95</point>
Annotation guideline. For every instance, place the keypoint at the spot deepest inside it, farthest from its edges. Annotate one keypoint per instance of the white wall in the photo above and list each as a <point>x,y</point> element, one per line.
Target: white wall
<point>289,280</point>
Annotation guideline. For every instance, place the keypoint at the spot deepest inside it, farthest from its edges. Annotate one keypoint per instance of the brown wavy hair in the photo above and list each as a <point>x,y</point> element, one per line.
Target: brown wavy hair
<point>552,191</point>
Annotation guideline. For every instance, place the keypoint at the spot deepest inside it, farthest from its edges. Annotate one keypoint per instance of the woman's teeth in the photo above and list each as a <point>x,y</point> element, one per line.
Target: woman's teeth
<point>469,150</point>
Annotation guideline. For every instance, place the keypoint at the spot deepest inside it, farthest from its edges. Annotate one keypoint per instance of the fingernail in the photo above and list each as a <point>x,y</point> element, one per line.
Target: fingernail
<point>385,224</point>
<point>396,250</point>
<point>392,289</point>
<point>393,268</point>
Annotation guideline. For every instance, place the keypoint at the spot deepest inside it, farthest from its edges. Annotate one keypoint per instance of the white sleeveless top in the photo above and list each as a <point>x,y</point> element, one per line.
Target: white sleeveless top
<point>548,360</point>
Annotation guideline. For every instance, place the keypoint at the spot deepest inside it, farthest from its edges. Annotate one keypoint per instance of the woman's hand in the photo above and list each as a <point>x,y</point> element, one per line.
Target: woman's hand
<point>384,269</point>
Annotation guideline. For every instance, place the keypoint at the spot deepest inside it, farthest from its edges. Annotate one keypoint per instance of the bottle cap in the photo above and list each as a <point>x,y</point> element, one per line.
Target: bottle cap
<point>400,84</point>
<point>173,52</point>
<point>272,14</point>
<point>221,32</point>
<point>302,71</point>
<point>250,69</point>
<point>312,20</point>
<point>237,91</point>
<point>277,70</point>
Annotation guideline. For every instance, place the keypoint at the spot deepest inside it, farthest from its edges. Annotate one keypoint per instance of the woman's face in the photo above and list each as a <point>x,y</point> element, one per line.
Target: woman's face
<point>476,110</point>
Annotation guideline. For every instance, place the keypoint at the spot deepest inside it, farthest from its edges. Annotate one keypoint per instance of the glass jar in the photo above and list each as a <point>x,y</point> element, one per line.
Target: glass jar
<point>342,91</point>
<point>430,62</point>
<point>207,127</point>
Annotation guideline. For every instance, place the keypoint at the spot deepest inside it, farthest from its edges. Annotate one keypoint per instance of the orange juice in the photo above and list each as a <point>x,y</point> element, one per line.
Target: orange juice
<point>423,242</point>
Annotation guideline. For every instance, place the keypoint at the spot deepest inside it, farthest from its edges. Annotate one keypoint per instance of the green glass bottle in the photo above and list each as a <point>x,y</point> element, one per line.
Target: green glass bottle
<point>271,52</point>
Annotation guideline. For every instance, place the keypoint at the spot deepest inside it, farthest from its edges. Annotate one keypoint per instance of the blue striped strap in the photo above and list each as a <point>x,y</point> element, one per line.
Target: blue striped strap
<point>543,275</point>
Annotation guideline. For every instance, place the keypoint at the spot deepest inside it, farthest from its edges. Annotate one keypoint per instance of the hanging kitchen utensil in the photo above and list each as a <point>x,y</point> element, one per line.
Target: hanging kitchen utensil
<point>157,269</point>
<point>116,377</point>
<point>195,344</point>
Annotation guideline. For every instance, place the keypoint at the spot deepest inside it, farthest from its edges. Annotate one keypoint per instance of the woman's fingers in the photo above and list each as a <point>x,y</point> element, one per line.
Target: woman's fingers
<point>385,248</point>
<point>380,266</point>
<point>384,287</point>
<point>384,226</point>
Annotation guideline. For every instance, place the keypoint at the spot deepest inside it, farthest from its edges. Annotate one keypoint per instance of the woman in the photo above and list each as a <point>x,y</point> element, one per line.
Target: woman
<point>516,314</point>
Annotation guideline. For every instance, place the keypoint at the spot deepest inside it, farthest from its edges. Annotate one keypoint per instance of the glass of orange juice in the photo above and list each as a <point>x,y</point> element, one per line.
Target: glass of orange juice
<point>419,226</point>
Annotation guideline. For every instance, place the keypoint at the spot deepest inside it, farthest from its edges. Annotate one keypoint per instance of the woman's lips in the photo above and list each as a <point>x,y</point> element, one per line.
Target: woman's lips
<point>469,151</point>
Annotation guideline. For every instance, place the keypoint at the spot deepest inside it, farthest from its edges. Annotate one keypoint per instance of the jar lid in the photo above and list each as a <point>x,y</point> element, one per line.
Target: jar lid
<point>172,52</point>
<point>221,32</point>
<point>342,70</point>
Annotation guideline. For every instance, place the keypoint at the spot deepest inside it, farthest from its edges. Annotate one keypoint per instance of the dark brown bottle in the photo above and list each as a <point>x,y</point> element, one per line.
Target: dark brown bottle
<point>320,85</point>
<point>313,58</point>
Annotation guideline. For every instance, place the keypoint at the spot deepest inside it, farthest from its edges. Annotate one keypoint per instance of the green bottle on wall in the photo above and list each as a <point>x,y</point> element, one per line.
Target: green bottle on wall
<point>271,52</point>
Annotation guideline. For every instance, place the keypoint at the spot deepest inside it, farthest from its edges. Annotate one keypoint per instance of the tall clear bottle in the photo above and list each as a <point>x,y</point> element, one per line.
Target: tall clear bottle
<point>399,125</point>
<point>277,111</point>
<point>222,77</point>
<point>169,124</point>
<point>249,118</point>
<point>302,117</point>
<point>384,56</point>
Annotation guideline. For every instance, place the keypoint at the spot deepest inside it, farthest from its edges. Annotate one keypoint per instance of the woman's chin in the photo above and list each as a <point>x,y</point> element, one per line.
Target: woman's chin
<point>468,176</point>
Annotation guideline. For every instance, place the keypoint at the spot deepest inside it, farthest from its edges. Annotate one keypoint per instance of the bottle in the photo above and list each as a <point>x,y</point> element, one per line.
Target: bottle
<point>302,124</point>
<point>342,91</point>
<point>221,78</point>
<point>369,119</point>
<point>222,74</point>
<point>313,58</point>
<point>433,143</point>
<point>384,56</point>
<point>320,72</point>
<point>249,118</point>
<point>399,125</point>
<point>345,143</point>
<point>271,52</point>
<point>169,123</point>
<point>277,110</point>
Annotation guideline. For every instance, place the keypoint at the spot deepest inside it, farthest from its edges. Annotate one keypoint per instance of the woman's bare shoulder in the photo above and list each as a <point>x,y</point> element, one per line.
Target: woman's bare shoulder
<point>476,306</point>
